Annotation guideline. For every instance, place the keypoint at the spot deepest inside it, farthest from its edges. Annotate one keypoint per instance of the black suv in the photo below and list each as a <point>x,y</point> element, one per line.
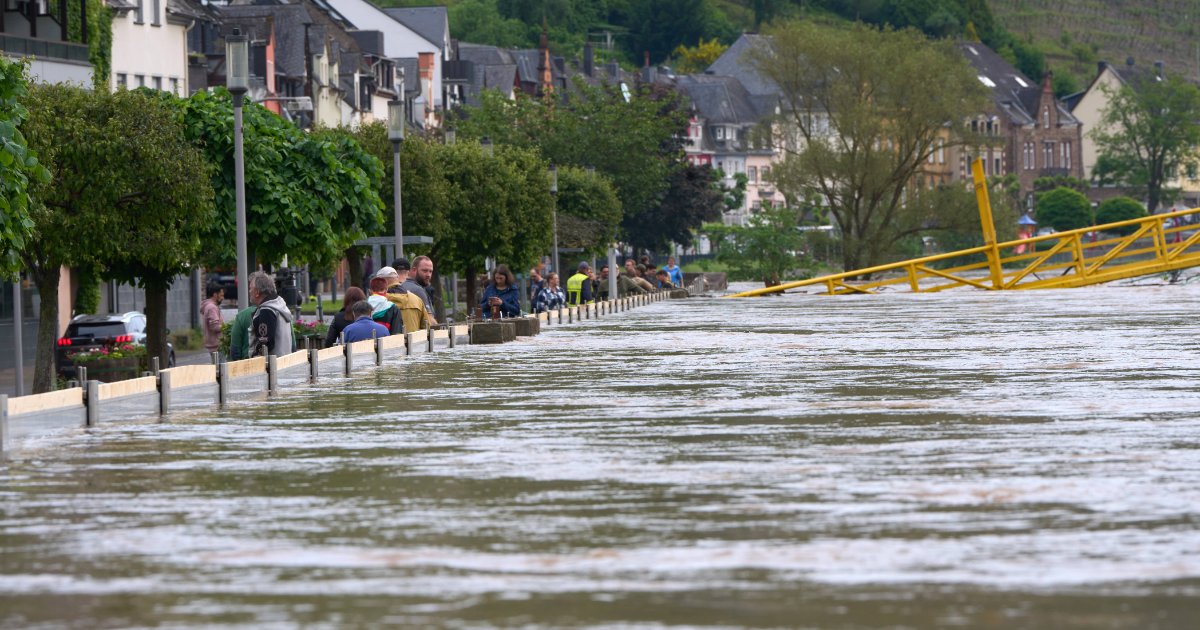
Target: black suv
<point>96,331</point>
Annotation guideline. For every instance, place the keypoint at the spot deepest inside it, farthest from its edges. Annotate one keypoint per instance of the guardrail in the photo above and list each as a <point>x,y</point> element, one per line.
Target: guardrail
<point>197,386</point>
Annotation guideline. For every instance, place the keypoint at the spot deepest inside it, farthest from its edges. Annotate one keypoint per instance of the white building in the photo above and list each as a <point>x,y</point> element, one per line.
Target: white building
<point>149,46</point>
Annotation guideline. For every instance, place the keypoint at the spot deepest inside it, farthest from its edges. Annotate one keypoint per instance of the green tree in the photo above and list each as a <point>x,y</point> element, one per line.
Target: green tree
<point>735,196</point>
<point>498,207</point>
<point>635,143</point>
<point>770,246</point>
<point>480,22</point>
<point>1064,83</point>
<point>1064,209</point>
<point>695,59</point>
<point>308,196</point>
<point>1120,209</point>
<point>661,26</point>
<point>693,198</point>
<point>129,196</point>
<point>865,110</point>
<point>424,192</point>
<point>1147,132</point>
<point>589,212</point>
<point>18,165</point>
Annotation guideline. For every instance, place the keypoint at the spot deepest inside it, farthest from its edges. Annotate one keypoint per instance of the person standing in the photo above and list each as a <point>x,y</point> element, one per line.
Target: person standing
<point>402,268</point>
<point>579,286</point>
<point>421,277</point>
<point>501,293</point>
<point>413,316</point>
<point>551,297</point>
<point>674,272</point>
<point>536,282</point>
<point>210,316</point>
<point>271,327</point>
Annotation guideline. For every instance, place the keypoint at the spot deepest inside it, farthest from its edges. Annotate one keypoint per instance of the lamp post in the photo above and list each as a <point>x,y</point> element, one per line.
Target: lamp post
<point>591,170</point>
<point>451,137</point>
<point>396,135</point>
<point>237,81</point>
<point>553,172</point>
<point>486,145</point>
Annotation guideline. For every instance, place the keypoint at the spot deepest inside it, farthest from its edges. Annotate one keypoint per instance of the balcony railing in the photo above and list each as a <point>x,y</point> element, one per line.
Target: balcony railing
<point>29,46</point>
<point>458,71</point>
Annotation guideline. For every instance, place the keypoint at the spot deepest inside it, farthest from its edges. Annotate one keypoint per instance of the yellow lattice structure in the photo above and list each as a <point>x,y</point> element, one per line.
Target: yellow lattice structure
<point>1064,259</point>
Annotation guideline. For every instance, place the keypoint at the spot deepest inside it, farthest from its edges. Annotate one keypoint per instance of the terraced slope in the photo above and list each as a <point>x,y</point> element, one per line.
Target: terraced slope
<point>1074,34</point>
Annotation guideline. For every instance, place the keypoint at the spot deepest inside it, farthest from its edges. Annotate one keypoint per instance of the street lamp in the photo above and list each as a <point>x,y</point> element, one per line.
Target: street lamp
<point>237,81</point>
<point>450,135</point>
<point>591,170</point>
<point>553,172</point>
<point>396,135</point>
<point>486,145</point>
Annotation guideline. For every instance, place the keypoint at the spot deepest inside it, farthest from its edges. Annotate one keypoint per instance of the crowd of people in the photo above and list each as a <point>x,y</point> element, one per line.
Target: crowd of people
<point>398,300</point>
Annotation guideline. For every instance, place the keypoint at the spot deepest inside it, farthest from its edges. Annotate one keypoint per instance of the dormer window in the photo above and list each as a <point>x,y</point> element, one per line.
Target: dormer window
<point>719,132</point>
<point>1046,117</point>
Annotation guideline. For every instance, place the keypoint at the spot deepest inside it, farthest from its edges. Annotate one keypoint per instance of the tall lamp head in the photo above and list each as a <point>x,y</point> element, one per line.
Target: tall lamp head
<point>237,63</point>
<point>396,120</point>
<point>451,137</point>
<point>553,172</point>
<point>486,145</point>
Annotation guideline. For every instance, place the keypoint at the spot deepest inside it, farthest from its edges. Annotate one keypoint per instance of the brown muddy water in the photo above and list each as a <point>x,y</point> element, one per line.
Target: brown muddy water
<point>964,459</point>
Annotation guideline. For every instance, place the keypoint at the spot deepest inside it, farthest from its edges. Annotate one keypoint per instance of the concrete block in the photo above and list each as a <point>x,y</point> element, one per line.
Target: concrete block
<point>679,294</point>
<point>526,327</point>
<point>491,332</point>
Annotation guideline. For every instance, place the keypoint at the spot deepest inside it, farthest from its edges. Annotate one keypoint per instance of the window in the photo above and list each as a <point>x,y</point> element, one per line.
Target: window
<point>752,174</point>
<point>1067,154</point>
<point>941,151</point>
<point>996,167</point>
<point>1046,117</point>
<point>157,83</point>
<point>719,133</point>
<point>141,79</point>
<point>157,10</point>
<point>757,206</point>
<point>122,79</point>
<point>766,172</point>
<point>175,86</point>
<point>932,154</point>
<point>140,15</point>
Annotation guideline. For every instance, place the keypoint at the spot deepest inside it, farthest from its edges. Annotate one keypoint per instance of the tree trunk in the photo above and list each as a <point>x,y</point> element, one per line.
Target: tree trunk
<point>472,287</point>
<point>156,323</point>
<point>435,294</point>
<point>46,279</point>
<point>354,268</point>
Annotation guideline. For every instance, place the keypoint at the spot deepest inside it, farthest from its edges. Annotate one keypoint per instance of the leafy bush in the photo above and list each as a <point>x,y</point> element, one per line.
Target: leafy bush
<point>770,244</point>
<point>1120,209</point>
<point>1064,209</point>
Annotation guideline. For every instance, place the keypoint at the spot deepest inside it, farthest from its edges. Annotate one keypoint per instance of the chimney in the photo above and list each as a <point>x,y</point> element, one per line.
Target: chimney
<point>589,60</point>
<point>1100,66</point>
<point>1158,68</point>
<point>614,68</point>
<point>649,75</point>
<point>1048,82</point>
<point>545,75</point>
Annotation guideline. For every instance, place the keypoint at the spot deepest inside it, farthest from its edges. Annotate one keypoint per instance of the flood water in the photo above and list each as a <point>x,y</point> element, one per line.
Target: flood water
<point>963,459</point>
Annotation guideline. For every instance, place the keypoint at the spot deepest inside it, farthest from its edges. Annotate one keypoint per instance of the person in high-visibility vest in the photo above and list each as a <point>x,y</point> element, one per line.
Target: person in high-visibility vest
<point>579,287</point>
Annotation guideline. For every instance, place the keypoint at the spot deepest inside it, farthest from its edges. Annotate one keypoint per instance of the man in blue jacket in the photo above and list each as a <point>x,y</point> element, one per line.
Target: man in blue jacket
<point>363,325</point>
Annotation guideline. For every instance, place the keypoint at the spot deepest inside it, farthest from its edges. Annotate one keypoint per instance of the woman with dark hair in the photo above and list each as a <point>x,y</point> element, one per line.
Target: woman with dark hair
<point>502,293</point>
<point>344,317</point>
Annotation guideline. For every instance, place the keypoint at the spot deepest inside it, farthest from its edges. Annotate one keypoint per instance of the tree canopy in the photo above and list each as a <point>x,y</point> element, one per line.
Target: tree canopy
<point>1120,209</point>
<point>129,197</point>
<point>18,165</point>
<point>1148,134</point>
<point>589,212</point>
<point>864,110</point>
<point>308,196</point>
<point>1064,209</point>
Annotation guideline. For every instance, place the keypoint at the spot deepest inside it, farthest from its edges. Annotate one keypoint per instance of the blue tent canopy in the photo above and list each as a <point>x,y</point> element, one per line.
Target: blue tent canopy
<point>1025,220</point>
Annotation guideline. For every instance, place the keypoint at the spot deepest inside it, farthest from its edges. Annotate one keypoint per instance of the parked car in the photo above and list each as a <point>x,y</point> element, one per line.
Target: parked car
<point>96,331</point>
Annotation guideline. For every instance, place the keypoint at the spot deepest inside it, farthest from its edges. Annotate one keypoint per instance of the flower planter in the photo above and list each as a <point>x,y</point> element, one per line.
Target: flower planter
<point>111,370</point>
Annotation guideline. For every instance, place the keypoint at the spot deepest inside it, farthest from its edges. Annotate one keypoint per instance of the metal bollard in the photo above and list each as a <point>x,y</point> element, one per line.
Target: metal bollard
<point>429,338</point>
<point>3,422</point>
<point>223,384</point>
<point>93,403</point>
<point>408,344</point>
<point>272,375</point>
<point>164,393</point>
<point>349,354</point>
<point>314,364</point>
<point>216,358</point>
<point>378,352</point>
<point>154,364</point>
<point>81,374</point>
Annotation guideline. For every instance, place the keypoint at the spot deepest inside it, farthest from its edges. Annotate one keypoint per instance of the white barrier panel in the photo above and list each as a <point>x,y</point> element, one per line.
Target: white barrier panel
<point>418,342</point>
<point>124,399</point>
<point>331,361</point>
<point>361,354</point>
<point>441,340</point>
<point>28,416</point>
<point>292,368</point>
<point>460,335</point>
<point>393,347</point>
<point>192,385</point>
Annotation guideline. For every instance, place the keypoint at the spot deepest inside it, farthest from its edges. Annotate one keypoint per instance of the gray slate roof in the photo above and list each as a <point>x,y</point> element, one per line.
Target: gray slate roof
<point>1015,94</point>
<point>429,22</point>
<point>730,64</point>
<point>291,21</point>
<point>720,99</point>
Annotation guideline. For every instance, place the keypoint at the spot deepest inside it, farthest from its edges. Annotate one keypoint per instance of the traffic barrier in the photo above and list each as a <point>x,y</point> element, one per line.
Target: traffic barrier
<point>193,386</point>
